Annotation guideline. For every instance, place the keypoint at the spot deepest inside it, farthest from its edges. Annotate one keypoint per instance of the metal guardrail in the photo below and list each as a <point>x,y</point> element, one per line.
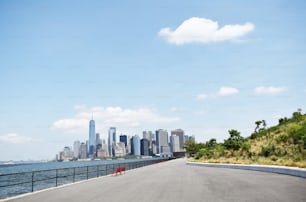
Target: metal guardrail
<point>25,182</point>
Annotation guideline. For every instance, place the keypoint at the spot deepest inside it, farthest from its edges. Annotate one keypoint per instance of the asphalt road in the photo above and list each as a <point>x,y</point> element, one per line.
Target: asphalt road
<point>174,181</point>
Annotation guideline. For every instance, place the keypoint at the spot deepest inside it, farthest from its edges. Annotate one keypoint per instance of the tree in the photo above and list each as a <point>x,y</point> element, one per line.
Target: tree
<point>211,143</point>
<point>192,148</point>
<point>235,141</point>
<point>297,115</point>
<point>264,124</point>
<point>258,123</point>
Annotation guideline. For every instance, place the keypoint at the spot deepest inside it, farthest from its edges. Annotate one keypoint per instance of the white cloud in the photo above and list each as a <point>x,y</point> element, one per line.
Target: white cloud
<point>222,92</point>
<point>112,116</point>
<point>13,138</point>
<point>270,90</point>
<point>201,97</point>
<point>70,124</point>
<point>227,91</point>
<point>202,30</point>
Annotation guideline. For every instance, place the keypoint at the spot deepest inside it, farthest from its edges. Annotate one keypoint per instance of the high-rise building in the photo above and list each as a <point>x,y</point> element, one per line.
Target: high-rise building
<point>83,151</point>
<point>161,140</point>
<point>135,145</point>
<point>129,145</point>
<point>76,149</point>
<point>123,138</point>
<point>149,136</point>
<point>153,149</point>
<point>120,149</point>
<point>67,154</point>
<point>144,147</point>
<point>192,138</point>
<point>181,135</point>
<point>175,143</point>
<point>98,139</point>
<point>92,139</point>
<point>112,141</point>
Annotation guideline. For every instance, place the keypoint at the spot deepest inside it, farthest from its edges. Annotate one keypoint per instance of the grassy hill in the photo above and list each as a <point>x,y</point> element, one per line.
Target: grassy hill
<point>284,144</point>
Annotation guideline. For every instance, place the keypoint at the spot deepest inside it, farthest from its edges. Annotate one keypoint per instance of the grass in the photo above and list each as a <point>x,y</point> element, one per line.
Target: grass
<point>284,145</point>
<point>259,161</point>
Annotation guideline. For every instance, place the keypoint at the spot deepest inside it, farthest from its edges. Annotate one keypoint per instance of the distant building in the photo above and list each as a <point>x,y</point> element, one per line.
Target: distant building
<point>111,141</point>
<point>102,154</point>
<point>67,154</point>
<point>120,149</point>
<point>175,143</point>
<point>135,145</point>
<point>153,149</point>
<point>76,149</point>
<point>83,151</point>
<point>165,149</point>
<point>161,140</point>
<point>192,138</point>
<point>144,147</point>
<point>148,135</point>
<point>181,135</point>
<point>129,145</point>
<point>98,139</point>
<point>151,137</point>
<point>101,151</point>
<point>123,138</point>
<point>92,139</point>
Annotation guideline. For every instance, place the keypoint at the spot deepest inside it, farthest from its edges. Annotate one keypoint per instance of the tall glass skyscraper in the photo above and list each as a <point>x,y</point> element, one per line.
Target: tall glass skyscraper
<point>92,139</point>
<point>135,145</point>
<point>123,138</point>
<point>111,141</point>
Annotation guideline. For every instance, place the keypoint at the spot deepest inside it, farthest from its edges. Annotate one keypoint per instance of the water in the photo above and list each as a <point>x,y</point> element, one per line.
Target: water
<point>24,178</point>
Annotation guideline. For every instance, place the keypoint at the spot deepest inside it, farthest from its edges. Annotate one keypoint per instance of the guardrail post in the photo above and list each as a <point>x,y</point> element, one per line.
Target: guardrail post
<point>56,177</point>
<point>73,174</point>
<point>32,181</point>
<point>87,172</point>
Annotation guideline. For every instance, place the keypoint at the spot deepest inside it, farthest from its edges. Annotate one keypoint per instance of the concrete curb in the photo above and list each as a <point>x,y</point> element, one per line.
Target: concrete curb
<point>298,172</point>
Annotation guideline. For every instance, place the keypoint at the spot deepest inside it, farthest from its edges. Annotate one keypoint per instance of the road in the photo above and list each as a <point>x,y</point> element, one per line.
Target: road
<point>174,181</point>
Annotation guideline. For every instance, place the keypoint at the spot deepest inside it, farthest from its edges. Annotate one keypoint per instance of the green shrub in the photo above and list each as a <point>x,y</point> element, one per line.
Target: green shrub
<point>282,138</point>
<point>267,151</point>
<point>273,158</point>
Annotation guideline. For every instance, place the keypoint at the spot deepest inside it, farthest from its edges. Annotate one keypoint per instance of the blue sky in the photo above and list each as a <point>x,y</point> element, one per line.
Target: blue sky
<point>203,66</point>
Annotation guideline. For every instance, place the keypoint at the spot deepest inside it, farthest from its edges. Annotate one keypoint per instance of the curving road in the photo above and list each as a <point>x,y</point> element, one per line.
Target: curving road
<point>174,181</point>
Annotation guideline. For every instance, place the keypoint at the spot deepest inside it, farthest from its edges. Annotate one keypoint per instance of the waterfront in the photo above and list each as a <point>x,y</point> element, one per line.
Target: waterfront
<point>19,179</point>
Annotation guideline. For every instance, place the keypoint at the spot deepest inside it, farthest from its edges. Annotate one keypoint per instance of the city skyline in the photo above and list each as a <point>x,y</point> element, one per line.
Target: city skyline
<point>151,144</point>
<point>204,66</point>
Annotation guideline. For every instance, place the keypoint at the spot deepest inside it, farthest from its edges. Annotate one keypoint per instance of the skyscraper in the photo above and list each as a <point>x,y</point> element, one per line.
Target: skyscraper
<point>144,147</point>
<point>76,149</point>
<point>162,141</point>
<point>175,143</point>
<point>111,141</point>
<point>151,137</point>
<point>135,145</point>
<point>83,151</point>
<point>123,138</point>
<point>98,139</point>
<point>181,135</point>
<point>92,139</point>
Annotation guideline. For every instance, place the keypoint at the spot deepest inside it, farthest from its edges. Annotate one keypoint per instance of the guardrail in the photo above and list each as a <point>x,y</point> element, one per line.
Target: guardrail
<point>25,182</point>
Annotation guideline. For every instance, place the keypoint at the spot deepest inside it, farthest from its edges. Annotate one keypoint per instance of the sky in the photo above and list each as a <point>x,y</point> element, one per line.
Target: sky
<point>203,66</point>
